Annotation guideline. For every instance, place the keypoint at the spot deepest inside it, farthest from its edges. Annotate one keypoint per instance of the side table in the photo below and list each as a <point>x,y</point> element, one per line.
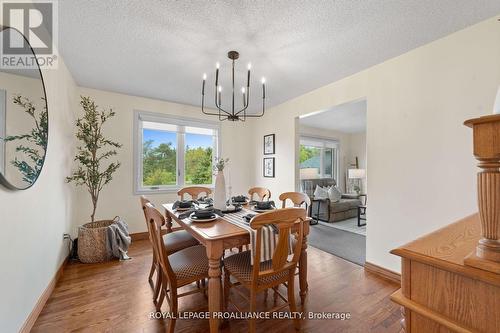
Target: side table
<point>361,211</point>
<point>315,220</point>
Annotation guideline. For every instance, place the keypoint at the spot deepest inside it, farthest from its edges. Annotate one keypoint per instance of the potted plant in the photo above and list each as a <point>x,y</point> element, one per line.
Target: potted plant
<point>93,173</point>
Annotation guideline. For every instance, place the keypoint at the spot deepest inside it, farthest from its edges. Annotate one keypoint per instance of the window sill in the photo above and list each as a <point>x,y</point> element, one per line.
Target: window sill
<point>166,190</point>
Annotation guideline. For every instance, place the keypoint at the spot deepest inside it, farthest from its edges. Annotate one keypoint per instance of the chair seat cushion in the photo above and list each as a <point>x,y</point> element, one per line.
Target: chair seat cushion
<point>178,240</point>
<point>239,265</point>
<point>189,263</point>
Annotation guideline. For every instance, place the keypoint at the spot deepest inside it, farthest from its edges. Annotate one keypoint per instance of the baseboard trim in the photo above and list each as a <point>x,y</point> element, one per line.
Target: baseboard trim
<point>139,236</point>
<point>383,272</point>
<point>33,316</point>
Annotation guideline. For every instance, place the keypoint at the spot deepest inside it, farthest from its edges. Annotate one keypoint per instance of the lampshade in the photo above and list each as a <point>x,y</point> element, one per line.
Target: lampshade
<point>309,173</point>
<point>356,173</point>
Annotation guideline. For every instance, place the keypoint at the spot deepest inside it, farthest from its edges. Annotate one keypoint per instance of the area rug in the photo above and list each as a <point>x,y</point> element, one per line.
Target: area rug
<point>350,225</point>
<point>344,244</point>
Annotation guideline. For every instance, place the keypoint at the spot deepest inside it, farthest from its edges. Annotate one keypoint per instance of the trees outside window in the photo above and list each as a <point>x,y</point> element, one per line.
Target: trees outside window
<point>174,155</point>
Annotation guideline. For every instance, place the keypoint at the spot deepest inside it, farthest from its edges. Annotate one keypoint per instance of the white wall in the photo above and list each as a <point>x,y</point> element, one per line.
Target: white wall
<point>118,198</point>
<point>419,155</point>
<point>357,148</point>
<point>33,221</point>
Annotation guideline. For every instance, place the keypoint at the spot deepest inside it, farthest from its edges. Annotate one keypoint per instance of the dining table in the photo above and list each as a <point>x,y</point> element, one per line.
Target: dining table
<point>217,237</point>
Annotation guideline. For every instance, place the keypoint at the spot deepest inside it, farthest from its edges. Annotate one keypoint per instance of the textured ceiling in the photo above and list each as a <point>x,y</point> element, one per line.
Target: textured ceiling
<point>347,118</point>
<point>160,49</point>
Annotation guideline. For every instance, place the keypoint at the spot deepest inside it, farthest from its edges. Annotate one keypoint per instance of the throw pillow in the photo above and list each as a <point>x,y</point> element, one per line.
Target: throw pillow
<point>320,192</point>
<point>334,194</point>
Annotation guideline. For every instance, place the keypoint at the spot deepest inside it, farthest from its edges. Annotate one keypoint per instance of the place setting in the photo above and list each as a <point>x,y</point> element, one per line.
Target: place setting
<point>203,211</point>
<point>262,206</point>
<point>239,200</point>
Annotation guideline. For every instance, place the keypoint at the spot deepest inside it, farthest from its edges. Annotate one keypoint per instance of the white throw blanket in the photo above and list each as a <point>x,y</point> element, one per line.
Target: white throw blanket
<point>118,239</point>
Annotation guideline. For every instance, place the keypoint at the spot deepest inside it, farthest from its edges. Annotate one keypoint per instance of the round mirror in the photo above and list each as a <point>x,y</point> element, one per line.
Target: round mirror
<point>24,121</point>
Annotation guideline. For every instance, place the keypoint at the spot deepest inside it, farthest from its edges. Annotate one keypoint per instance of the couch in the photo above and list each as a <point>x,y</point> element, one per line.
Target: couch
<point>345,208</point>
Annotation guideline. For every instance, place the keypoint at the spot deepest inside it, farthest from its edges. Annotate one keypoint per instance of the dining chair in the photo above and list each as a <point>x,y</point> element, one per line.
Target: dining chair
<point>178,269</point>
<point>272,273</point>
<point>297,198</point>
<point>194,192</point>
<point>174,241</point>
<point>261,192</point>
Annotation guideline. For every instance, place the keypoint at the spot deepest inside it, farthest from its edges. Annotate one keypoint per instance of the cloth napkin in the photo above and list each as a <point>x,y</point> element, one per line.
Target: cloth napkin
<point>188,213</point>
<point>178,202</point>
<point>254,203</point>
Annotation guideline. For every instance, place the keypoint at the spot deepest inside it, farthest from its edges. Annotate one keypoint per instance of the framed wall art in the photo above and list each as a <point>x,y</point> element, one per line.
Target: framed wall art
<point>269,144</point>
<point>269,167</point>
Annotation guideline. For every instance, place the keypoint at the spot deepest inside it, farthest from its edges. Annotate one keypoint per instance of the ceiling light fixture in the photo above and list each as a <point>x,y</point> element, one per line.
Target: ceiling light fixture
<point>233,115</point>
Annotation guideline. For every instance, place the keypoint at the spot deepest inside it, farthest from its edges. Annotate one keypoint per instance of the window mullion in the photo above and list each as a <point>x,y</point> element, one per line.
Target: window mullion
<point>181,153</point>
<point>322,162</point>
<point>215,151</point>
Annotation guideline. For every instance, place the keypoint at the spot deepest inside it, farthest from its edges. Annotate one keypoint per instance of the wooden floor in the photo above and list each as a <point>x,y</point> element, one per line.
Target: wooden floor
<point>115,297</point>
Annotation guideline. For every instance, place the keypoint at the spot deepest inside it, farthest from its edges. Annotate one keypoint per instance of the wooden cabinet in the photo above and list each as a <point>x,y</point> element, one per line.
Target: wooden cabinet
<point>439,292</point>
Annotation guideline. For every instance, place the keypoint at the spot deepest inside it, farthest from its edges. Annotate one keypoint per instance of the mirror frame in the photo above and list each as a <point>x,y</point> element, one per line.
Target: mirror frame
<point>3,180</point>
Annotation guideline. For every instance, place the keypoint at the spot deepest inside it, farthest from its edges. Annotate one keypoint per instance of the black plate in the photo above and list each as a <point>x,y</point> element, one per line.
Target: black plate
<point>193,218</point>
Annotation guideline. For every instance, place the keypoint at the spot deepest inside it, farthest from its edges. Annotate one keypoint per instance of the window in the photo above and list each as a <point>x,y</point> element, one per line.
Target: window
<point>172,152</point>
<point>318,158</point>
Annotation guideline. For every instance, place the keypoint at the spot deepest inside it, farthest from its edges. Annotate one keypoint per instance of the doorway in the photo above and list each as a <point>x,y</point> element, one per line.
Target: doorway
<point>331,169</point>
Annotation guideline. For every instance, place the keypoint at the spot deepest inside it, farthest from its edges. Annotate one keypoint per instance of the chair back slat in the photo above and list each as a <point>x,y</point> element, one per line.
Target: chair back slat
<point>194,192</point>
<point>297,198</point>
<point>155,221</point>
<point>284,219</point>
<point>280,255</point>
<point>261,192</point>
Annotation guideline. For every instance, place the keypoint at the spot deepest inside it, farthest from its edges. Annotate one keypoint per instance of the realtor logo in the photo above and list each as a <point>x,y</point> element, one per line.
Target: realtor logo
<point>36,20</point>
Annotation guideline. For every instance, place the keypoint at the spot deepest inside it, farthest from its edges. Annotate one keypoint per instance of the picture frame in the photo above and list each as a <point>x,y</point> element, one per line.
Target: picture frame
<point>269,167</point>
<point>269,144</point>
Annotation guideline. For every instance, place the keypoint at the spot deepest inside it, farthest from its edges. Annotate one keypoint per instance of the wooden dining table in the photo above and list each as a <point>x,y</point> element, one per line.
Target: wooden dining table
<point>218,236</point>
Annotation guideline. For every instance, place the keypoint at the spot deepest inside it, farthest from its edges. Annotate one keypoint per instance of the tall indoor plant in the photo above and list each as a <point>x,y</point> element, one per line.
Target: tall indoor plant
<point>93,152</point>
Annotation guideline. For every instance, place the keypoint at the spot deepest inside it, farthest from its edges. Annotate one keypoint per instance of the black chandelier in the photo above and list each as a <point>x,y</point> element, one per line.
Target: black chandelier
<point>233,115</point>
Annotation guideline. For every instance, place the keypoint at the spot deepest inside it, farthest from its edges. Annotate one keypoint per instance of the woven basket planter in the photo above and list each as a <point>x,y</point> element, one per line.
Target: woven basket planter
<point>92,242</point>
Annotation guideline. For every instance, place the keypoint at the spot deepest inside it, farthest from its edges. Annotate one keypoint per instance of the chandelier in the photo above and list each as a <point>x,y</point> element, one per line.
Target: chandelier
<point>233,114</point>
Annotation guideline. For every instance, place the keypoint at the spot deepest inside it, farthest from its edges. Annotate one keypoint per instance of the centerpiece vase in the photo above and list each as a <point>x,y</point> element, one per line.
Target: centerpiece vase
<point>220,191</point>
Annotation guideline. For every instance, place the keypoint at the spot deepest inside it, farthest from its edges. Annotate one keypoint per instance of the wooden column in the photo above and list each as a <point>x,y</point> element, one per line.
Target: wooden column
<point>486,136</point>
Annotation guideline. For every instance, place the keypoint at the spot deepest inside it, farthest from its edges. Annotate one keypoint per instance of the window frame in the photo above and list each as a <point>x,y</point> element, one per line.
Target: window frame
<point>181,123</point>
<point>325,143</point>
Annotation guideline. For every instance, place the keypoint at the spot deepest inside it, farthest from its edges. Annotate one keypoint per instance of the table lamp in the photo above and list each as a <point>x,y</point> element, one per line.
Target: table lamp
<point>356,174</point>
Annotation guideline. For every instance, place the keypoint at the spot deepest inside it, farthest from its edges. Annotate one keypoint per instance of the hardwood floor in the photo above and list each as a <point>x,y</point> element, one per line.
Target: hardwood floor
<point>115,297</point>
